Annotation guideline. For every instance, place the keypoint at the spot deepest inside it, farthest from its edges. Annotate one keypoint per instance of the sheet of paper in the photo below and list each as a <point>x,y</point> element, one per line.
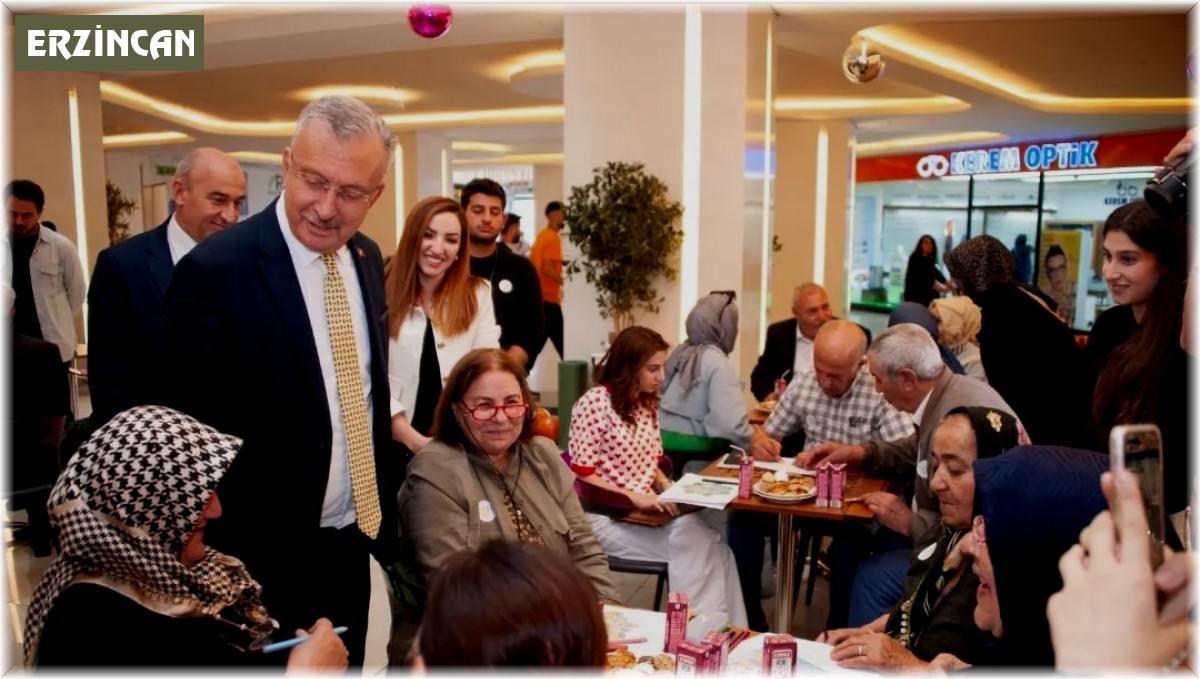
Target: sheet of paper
<point>785,464</point>
<point>704,491</point>
<point>634,623</point>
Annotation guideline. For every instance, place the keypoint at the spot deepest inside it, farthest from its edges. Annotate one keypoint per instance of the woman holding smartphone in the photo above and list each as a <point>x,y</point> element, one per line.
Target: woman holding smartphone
<point>1133,353</point>
<point>615,444</point>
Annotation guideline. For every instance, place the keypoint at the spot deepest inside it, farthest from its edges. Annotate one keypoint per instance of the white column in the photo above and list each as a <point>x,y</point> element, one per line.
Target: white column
<point>812,207</point>
<point>661,87</point>
<point>547,186</point>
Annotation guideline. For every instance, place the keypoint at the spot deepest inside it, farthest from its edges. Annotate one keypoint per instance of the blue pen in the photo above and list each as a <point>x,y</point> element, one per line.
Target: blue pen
<point>284,645</point>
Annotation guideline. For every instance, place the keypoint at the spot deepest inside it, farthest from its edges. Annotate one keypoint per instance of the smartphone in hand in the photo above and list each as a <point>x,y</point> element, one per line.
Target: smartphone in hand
<point>1138,448</point>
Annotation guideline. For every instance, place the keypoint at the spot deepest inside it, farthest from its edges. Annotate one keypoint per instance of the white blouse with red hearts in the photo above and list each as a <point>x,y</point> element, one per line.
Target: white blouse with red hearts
<point>601,442</point>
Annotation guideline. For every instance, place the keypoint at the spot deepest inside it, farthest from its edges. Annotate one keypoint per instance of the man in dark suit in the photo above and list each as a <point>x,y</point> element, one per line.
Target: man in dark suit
<point>130,280</point>
<point>789,346</point>
<point>280,323</point>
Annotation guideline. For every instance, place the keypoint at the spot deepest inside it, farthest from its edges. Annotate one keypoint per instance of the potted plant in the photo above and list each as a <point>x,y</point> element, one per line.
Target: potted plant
<point>119,209</point>
<point>627,231</point>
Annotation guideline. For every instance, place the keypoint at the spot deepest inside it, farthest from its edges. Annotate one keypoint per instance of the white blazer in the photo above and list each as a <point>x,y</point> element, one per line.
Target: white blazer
<point>404,350</point>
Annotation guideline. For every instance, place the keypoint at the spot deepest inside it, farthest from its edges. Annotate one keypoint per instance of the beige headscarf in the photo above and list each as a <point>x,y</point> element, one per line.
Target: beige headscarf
<point>960,320</point>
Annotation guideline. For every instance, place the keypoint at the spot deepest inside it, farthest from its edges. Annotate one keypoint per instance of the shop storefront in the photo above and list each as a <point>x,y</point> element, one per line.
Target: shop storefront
<point>1046,200</point>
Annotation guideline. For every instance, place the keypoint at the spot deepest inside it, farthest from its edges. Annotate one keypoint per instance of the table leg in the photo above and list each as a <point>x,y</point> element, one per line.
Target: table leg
<point>784,575</point>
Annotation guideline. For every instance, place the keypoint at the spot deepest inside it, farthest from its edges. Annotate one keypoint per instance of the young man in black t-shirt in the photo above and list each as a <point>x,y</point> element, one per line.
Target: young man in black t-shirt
<point>516,293</point>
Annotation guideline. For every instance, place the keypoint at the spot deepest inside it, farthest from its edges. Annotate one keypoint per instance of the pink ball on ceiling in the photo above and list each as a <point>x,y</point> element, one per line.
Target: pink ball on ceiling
<point>430,21</point>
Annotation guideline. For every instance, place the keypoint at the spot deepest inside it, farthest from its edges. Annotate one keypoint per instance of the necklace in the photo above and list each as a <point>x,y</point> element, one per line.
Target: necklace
<point>526,533</point>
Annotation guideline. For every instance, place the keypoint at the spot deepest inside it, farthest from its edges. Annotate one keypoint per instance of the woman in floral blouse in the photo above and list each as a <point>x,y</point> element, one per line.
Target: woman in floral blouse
<point>615,444</point>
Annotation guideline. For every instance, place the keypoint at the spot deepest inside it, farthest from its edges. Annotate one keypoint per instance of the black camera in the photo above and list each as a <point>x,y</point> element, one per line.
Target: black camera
<point>1168,194</point>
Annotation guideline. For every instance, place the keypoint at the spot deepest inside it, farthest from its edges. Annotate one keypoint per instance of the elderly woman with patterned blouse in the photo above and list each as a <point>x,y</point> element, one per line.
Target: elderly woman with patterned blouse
<point>615,444</point>
<point>133,583</point>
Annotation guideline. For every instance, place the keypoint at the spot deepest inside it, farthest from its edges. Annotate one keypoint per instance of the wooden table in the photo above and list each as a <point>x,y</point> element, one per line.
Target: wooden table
<point>856,484</point>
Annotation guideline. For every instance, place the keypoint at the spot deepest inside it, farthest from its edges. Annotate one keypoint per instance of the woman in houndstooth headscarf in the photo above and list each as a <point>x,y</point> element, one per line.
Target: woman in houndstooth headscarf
<point>133,583</point>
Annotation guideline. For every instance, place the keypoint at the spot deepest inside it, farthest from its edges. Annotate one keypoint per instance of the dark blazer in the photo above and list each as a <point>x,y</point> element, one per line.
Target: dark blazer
<point>125,301</point>
<point>236,333</point>
<point>778,356</point>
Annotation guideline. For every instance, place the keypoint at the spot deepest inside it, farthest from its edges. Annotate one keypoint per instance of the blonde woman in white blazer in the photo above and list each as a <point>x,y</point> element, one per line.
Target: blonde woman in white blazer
<point>433,303</point>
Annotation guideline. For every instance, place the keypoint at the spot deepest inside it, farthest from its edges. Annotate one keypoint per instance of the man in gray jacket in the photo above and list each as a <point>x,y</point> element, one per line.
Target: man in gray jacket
<point>909,372</point>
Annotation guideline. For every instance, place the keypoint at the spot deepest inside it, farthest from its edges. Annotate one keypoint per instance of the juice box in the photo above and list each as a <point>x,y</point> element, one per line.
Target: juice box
<point>677,619</point>
<point>779,655</point>
<point>837,481</point>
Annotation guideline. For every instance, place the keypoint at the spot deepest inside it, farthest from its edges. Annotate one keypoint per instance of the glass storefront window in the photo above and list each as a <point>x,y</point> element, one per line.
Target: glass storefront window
<point>889,219</point>
<point>1061,255</point>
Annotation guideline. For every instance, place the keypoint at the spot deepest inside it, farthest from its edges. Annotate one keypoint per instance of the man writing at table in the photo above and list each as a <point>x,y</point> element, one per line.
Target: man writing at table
<point>908,371</point>
<point>834,401</point>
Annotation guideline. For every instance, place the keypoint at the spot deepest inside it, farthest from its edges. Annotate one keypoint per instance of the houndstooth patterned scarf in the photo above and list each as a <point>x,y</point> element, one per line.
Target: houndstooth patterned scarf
<point>124,508</point>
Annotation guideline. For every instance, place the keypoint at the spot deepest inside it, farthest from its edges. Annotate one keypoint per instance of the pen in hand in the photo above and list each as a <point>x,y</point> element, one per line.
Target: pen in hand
<point>296,641</point>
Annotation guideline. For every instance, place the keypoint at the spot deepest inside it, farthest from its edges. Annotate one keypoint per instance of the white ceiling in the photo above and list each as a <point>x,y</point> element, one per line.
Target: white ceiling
<point>255,54</point>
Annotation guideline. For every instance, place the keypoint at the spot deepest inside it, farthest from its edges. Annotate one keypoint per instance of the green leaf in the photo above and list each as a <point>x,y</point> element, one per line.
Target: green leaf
<point>627,231</point>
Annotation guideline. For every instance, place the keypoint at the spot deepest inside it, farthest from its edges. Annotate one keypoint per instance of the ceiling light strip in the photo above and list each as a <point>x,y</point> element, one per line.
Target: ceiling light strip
<point>928,141</point>
<point>953,65</point>
<point>121,95</point>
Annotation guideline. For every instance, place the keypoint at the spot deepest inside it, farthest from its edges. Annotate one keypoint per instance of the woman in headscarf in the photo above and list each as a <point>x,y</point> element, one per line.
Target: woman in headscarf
<point>911,312</point>
<point>1030,355</point>
<point>1030,507</point>
<point>935,615</point>
<point>959,322</point>
<point>134,583</point>
<point>701,395</point>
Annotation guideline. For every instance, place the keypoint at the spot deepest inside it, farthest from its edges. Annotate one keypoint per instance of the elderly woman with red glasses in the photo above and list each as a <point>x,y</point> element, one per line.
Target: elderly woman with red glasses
<point>485,476</point>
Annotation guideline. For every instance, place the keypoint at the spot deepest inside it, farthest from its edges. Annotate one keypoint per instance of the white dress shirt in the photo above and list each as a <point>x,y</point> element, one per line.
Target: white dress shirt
<point>337,511</point>
<point>404,350</point>
<point>804,354</point>
<point>178,240</point>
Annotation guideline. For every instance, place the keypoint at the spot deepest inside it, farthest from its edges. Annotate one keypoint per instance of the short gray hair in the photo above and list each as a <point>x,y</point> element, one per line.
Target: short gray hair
<point>907,345</point>
<point>347,117</point>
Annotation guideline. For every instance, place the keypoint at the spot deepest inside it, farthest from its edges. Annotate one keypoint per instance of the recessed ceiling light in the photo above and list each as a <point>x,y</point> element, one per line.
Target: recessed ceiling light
<point>112,141</point>
<point>258,157</point>
<point>479,147</point>
<point>928,141</point>
<point>367,93</point>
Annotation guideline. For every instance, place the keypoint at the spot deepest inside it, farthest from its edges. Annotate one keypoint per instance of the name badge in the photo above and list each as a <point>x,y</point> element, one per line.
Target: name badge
<point>505,285</point>
<point>927,552</point>
<point>486,514</point>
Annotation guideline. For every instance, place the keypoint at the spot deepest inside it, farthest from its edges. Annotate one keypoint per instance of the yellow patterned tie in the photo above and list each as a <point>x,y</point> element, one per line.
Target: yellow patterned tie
<point>350,396</point>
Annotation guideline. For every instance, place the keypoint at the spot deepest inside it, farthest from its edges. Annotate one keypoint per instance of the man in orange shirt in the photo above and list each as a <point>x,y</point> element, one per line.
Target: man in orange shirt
<point>546,256</point>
